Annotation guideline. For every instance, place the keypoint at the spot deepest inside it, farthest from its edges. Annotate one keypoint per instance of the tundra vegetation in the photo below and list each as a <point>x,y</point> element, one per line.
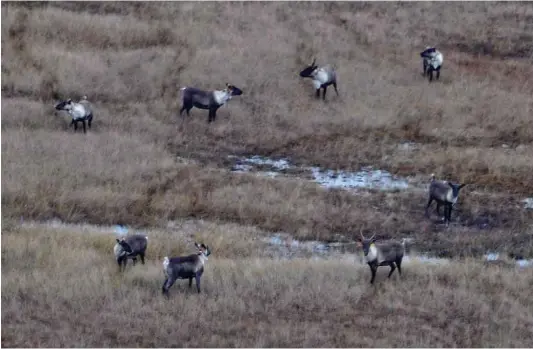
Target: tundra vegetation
<point>131,59</point>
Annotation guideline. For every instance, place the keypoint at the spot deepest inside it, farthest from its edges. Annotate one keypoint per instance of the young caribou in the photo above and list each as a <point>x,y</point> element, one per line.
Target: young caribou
<point>185,267</point>
<point>444,193</point>
<point>80,112</point>
<point>432,61</point>
<point>387,253</point>
<point>129,248</point>
<point>210,100</point>
<point>322,77</point>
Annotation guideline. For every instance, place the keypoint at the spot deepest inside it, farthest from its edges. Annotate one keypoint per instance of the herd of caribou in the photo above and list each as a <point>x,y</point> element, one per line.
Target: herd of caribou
<point>321,76</point>
<point>191,267</point>
<point>388,253</point>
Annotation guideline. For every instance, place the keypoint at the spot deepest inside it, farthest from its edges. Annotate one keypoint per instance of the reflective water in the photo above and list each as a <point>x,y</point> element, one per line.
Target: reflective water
<point>365,178</point>
<point>281,245</point>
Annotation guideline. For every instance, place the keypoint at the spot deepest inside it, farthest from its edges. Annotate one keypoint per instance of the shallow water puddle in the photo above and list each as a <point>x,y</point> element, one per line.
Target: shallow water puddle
<point>522,263</point>
<point>281,245</point>
<point>118,230</point>
<point>278,245</point>
<point>366,178</point>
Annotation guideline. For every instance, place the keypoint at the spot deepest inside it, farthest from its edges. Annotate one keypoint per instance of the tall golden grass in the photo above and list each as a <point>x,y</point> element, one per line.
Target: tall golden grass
<point>62,288</point>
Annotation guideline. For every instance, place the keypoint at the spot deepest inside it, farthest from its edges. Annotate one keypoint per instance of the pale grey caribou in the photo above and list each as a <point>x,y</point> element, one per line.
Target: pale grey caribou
<point>79,111</point>
<point>432,61</point>
<point>444,193</point>
<point>322,77</point>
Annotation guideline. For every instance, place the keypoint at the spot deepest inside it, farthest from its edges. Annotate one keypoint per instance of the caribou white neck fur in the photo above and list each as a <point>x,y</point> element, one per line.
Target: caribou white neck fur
<point>320,76</point>
<point>373,254</point>
<point>76,110</point>
<point>221,97</point>
<point>203,258</point>
<point>119,251</point>
<point>436,59</point>
<point>450,197</point>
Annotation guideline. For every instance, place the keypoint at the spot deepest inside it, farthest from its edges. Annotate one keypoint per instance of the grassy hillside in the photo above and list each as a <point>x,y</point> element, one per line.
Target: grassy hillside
<point>142,164</point>
<point>131,59</point>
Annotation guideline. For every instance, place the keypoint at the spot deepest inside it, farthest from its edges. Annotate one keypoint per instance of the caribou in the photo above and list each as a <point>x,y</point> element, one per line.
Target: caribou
<point>444,193</point>
<point>387,253</point>
<point>322,77</point>
<point>185,267</point>
<point>130,248</point>
<point>207,100</point>
<point>79,111</point>
<point>432,61</point>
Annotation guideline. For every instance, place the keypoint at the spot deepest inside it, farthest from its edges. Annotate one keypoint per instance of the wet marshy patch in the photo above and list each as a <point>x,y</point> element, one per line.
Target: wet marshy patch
<point>283,246</point>
<point>487,220</point>
<point>365,178</point>
<point>117,230</point>
<point>499,259</point>
<point>472,214</point>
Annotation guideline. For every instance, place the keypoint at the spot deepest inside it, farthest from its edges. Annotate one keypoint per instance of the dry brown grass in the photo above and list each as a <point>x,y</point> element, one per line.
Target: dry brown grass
<point>62,288</point>
<point>130,58</point>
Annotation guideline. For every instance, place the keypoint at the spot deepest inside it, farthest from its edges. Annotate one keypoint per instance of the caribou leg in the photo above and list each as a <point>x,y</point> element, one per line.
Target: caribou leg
<point>373,269</point>
<point>168,284</point>
<point>399,265</point>
<point>427,206</point>
<point>182,109</point>
<point>211,116</point>
<point>335,87</point>
<point>198,282</point>
<point>392,268</point>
